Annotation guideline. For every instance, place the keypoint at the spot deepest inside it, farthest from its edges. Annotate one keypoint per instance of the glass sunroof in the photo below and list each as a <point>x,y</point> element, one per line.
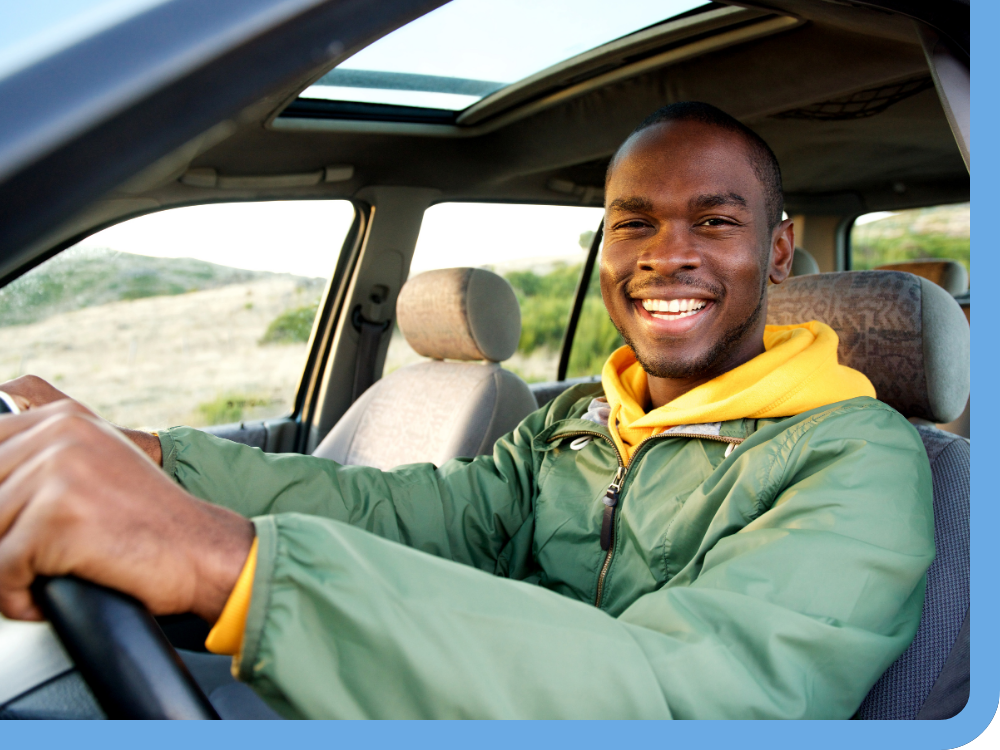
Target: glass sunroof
<point>454,56</point>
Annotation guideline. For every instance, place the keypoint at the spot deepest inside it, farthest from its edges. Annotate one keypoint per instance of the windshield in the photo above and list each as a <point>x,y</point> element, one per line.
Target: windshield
<point>463,51</point>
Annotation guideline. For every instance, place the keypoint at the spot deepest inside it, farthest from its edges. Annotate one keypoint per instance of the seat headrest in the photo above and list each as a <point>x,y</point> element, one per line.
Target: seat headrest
<point>460,313</point>
<point>905,333</point>
<point>948,274</point>
<point>803,263</point>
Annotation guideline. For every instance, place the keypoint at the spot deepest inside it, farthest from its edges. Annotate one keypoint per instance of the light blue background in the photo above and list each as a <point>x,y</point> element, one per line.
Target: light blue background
<point>592,735</point>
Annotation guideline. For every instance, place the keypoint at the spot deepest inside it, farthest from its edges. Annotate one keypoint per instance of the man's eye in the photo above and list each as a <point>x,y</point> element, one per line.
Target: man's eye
<point>631,224</point>
<point>717,222</point>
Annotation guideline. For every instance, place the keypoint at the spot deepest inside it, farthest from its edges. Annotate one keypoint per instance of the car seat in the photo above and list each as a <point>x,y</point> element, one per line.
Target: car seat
<point>952,277</point>
<point>803,263</point>
<point>436,410</point>
<point>911,338</point>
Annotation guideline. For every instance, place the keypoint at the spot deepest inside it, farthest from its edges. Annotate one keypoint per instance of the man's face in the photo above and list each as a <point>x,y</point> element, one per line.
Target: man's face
<point>688,251</point>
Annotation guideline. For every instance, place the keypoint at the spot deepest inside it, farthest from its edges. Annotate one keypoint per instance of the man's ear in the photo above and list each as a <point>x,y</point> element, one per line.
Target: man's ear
<point>782,252</point>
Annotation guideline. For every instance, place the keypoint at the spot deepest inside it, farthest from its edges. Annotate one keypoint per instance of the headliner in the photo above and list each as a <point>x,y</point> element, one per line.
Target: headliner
<point>557,153</point>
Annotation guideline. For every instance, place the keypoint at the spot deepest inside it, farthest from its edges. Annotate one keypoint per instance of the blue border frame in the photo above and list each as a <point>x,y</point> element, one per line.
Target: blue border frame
<point>480,736</point>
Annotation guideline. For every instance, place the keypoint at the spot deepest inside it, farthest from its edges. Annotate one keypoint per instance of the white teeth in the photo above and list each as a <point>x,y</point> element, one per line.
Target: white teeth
<point>678,308</point>
<point>673,316</point>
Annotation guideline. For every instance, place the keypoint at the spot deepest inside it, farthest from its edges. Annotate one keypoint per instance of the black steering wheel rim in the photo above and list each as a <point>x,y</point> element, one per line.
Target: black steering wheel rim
<point>121,653</point>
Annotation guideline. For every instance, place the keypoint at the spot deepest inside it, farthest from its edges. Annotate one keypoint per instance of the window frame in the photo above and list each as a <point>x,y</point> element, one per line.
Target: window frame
<point>846,231</point>
<point>330,306</point>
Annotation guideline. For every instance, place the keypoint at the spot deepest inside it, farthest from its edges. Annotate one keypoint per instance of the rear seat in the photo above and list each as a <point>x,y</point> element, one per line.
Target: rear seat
<point>950,275</point>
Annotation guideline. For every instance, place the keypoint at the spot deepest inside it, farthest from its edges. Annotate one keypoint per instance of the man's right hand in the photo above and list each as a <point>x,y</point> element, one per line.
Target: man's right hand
<point>77,498</point>
<point>31,391</point>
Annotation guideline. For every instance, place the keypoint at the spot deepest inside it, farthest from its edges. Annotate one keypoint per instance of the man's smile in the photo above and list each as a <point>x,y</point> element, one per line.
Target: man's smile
<point>671,309</point>
<point>670,315</point>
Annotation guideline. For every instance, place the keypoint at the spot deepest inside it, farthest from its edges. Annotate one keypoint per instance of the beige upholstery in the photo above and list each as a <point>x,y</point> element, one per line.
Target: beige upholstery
<point>460,313</point>
<point>433,411</point>
<point>803,263</point>
<point>947,274</point>
<point>907,334</point>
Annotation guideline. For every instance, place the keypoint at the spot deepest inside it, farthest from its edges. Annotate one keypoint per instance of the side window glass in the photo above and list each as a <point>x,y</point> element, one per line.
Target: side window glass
<point>540,250</point>
<point>885,238</point>
<point>197,315</point>
<point>596,336</point>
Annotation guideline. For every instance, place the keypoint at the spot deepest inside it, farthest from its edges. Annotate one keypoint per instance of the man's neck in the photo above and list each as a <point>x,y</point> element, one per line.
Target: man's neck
<point>664,390</point>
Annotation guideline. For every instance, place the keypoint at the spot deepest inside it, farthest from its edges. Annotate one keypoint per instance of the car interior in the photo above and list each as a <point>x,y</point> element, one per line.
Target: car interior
<point>863,105</point>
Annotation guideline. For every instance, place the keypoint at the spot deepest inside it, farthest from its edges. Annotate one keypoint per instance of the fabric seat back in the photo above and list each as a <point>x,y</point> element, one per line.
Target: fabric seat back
<point>435,410</point>
<point>911,338</point>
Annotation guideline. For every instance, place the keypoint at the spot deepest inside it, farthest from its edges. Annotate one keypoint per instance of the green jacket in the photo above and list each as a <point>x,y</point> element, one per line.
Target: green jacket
<point>780,581</point>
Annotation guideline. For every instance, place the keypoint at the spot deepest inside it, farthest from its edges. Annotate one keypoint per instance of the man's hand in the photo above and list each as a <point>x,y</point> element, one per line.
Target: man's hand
<point>31,391</point>
<point>78,498</point>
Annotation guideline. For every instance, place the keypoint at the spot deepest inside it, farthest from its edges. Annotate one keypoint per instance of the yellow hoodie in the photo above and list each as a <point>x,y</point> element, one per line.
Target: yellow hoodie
<point>798,371</point>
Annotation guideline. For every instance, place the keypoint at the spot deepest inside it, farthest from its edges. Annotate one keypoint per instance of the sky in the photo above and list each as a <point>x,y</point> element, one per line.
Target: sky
<point>304,237</point>
<point>490,41</point>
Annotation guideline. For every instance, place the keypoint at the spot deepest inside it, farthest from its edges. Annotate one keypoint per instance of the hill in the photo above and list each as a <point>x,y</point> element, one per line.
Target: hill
<point>86,277</point>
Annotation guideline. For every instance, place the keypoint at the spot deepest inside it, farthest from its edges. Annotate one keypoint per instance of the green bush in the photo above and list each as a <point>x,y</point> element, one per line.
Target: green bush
<point>229,407</point>
<point>869,252</point>
<point>934,232</point>
<point>596,337</point>
<point>546,300</point>
<point>292,326</point>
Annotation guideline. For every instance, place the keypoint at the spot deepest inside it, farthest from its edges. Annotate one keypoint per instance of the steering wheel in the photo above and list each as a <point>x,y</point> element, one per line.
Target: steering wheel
<point>119,649</point>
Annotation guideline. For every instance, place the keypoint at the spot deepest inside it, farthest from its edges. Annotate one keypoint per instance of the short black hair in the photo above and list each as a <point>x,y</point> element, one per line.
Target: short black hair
<point>762,159</point>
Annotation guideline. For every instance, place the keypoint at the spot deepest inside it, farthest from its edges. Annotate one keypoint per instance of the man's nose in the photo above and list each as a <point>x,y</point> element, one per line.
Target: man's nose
<point>670,250</point>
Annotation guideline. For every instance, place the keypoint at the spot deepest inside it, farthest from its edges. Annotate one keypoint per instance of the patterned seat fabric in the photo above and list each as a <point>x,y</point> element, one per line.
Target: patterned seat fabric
<point>903,691</point>
<point>905,333</point>
<point>911,339</point>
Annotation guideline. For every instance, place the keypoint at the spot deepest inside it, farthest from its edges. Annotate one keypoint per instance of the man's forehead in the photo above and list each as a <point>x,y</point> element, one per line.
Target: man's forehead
<point>693,162</point>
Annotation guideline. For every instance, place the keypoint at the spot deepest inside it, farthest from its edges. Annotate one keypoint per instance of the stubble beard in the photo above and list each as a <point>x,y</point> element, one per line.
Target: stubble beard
<point>665,367</point>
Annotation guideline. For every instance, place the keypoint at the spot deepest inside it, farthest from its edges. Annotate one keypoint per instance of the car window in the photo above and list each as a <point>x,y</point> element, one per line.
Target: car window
<point>488,46</point>
<point>196,315</point>
<point>886,237</point>
<point>596,336</point>
<point>540,250</point>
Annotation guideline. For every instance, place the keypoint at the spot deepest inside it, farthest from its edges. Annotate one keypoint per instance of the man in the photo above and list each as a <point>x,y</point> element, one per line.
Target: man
<point>737,528</point>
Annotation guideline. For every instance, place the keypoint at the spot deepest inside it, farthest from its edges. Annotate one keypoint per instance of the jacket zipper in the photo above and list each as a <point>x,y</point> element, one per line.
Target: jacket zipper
<point>613,493</point>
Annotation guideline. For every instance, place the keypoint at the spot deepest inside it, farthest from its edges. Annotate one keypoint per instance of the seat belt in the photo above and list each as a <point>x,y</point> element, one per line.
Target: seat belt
<point>371,330</point>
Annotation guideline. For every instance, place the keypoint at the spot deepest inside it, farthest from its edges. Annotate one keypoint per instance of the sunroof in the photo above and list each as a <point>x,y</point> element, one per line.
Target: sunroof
<point>465,50</point>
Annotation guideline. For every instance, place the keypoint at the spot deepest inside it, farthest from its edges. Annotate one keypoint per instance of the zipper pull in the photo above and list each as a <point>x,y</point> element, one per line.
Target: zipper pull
<point>610,501</point>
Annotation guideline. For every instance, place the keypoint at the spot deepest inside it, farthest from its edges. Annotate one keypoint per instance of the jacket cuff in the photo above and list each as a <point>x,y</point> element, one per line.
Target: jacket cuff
<point>260,597</point>
<point>226,636</point>
<point>169,450</point>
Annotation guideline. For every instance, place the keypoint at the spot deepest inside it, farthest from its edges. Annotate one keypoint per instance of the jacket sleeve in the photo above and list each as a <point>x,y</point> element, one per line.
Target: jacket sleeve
<point>466,511</point>
<point>795,615</point>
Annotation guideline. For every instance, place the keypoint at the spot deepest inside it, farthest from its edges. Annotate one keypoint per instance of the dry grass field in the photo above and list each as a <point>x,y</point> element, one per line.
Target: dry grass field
<point>168,360</point>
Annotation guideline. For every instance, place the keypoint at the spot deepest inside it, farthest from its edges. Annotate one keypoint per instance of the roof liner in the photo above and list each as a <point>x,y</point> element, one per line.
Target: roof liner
<point>904,155</point>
